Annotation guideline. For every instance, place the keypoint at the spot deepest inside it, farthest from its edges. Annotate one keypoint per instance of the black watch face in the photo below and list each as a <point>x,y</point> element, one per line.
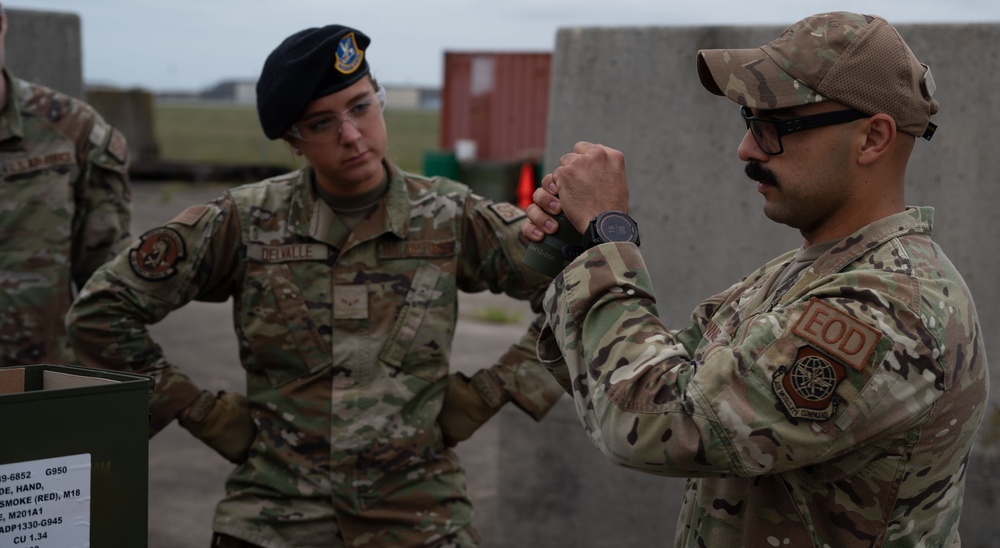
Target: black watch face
<point>615,228</point>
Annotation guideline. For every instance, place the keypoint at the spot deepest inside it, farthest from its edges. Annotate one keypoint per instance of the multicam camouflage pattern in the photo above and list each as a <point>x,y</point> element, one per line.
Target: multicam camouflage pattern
<point>345,338</point>
<point>837,410</point>
<point>64,210</point>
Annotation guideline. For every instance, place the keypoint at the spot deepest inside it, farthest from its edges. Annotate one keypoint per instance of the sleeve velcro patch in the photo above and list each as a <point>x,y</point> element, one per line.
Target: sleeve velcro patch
<point>189,216</point>
<point>838,334</point>
<point>117,146</point>
<point>507,212</point>
<point>99,134</point>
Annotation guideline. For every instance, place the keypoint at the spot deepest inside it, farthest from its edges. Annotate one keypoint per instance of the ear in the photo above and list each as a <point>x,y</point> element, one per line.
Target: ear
<point>879,134</point>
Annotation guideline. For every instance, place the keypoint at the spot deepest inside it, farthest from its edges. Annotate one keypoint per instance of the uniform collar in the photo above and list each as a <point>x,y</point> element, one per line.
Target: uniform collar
<point>914,220</point>
<point>310,216</point>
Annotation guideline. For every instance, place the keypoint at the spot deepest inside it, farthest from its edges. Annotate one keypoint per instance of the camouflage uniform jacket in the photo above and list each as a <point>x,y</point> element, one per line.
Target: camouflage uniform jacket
<point>64,210</point>
<point>838,410</point>
<point>346,348</point>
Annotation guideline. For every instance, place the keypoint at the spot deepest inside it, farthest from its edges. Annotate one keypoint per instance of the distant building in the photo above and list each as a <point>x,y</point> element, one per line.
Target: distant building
<point>412,98</point>
<point>244,92</point>
<point>177,95</point>
<point>241,92</point>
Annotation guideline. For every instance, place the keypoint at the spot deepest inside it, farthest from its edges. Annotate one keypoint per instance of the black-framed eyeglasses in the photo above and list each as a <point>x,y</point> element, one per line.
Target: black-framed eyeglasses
<point>768,131</point>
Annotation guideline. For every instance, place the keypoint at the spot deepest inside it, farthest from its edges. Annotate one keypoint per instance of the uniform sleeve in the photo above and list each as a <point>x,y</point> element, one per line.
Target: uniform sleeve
<point>493,251</point>
<point>740,404</point>
<point>524,379</point>
<point>193,257</point>
<point>103,196</point>
<point>492,259</point>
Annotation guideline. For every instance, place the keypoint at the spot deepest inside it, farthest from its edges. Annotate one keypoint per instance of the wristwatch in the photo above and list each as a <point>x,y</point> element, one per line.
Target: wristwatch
<point>611,226</point>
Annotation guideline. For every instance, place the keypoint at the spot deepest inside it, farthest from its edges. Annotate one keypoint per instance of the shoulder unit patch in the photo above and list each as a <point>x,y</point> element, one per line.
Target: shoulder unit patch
<point>156,257</point>
<point>807,388</point>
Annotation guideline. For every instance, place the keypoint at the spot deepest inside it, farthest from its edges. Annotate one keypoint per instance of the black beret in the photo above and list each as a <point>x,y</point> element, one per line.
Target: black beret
<point>306,66</point>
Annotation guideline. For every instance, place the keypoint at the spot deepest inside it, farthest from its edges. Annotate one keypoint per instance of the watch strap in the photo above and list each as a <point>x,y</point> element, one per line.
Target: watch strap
<point>593,237</point>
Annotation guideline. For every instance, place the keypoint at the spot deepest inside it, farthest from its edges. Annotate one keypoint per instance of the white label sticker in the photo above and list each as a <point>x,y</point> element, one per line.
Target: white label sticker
<point>46,503</point>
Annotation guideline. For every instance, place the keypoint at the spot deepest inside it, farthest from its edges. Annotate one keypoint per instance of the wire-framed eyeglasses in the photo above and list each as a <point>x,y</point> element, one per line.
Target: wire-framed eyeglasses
<point>768,131</point>
<point>327,127</point>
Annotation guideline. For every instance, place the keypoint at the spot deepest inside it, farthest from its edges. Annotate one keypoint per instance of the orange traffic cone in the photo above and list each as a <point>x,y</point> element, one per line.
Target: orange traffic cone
<point>525,186</point>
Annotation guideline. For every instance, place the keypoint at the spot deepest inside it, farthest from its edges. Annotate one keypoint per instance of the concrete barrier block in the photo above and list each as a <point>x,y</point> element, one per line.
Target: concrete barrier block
<point>45,47</point>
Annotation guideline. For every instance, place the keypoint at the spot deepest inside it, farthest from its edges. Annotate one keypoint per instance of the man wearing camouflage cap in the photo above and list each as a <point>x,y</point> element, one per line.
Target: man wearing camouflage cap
<point>64,210</point>
<point>830,398</point>
<point>344,277</point>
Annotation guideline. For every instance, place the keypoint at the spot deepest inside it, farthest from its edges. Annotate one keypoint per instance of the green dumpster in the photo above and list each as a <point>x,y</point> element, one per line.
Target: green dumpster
<point>441,163</point>
<point>74,457</point>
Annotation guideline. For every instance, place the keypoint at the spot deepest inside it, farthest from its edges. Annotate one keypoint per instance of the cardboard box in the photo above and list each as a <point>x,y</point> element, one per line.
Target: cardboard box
<point>74,457</point>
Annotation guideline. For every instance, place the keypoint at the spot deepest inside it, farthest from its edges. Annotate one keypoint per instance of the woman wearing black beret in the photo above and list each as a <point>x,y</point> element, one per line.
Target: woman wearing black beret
<point>344,277</point>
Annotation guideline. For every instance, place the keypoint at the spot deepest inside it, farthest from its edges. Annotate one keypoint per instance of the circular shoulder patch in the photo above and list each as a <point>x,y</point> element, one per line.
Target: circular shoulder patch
<point>808,388</point>
<point>157,254</point>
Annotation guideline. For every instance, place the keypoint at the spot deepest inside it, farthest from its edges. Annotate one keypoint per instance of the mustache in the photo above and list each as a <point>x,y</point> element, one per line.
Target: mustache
<point>760,173</point>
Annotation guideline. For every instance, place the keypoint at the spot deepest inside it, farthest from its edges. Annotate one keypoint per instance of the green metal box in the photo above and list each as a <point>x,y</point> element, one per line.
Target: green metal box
<point>74,457</point>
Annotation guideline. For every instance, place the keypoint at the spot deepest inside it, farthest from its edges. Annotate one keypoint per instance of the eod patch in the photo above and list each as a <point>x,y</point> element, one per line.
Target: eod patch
<point>157,255</point>
<point>836,340</point>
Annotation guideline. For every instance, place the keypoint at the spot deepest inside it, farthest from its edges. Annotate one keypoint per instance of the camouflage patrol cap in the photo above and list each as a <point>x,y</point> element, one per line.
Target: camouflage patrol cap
<point>859,60</point>
<point>307,65</point>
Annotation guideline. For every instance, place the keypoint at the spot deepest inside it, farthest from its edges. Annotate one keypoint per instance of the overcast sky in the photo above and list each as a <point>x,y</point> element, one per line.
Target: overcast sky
<point>194,44</point>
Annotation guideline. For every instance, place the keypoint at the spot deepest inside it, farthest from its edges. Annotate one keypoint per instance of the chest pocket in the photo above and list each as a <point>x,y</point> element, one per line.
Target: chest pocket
<point>283,335</point>
<point>42,187</point>
<point>420,339</point>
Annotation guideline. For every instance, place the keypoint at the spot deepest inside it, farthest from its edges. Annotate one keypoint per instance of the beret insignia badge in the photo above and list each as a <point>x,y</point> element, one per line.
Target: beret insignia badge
<point>349,57</point>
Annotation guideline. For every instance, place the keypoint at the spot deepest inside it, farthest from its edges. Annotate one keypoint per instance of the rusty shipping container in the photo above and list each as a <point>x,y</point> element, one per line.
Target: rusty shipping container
<point>499,100</point>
